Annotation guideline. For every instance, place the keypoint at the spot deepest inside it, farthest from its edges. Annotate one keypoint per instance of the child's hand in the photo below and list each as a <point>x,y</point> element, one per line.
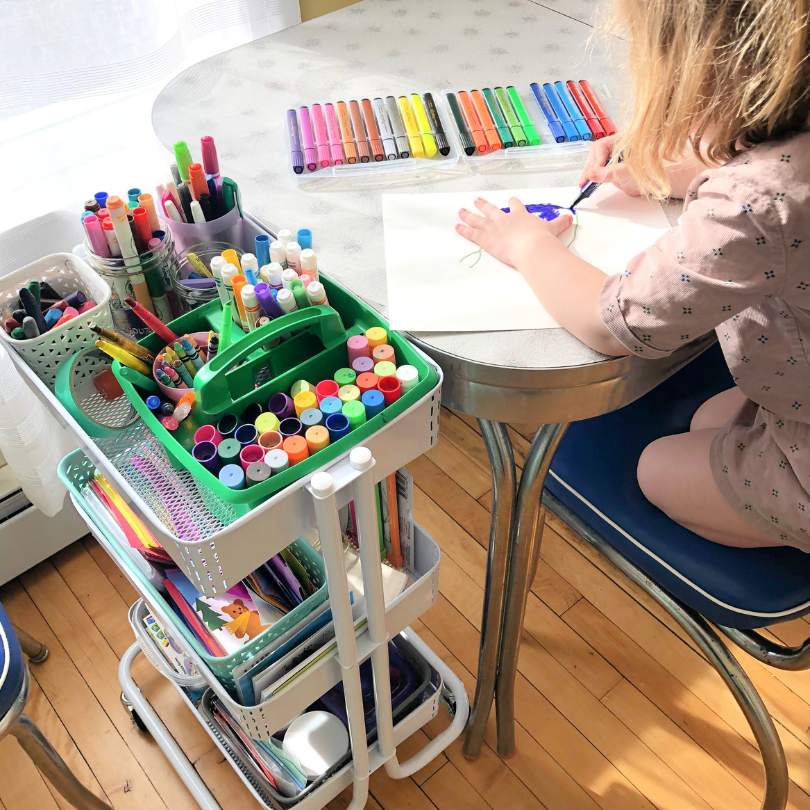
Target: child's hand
<point>509,237</point>
<point>595,171</point>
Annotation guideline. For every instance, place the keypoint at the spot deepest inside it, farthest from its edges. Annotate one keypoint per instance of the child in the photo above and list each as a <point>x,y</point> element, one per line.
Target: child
<point>728,84</point>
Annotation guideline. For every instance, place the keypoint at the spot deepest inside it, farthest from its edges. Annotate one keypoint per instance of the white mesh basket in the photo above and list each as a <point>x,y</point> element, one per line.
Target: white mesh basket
<point>65,273</point>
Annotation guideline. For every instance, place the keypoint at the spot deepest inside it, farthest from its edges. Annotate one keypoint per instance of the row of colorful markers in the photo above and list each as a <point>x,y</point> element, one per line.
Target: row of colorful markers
<point>365,131</point>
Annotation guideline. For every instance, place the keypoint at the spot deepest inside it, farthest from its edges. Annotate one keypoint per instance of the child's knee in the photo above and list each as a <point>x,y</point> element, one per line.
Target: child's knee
<point>651,472</point>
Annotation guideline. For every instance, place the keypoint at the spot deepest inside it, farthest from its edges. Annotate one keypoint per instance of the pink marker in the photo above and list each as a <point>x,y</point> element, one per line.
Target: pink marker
<point>210,159</point>
<point>334,135</point>
<point>165,197</point>
<point>306,135</point>
<point>95,235</point>
<point>320,136</point>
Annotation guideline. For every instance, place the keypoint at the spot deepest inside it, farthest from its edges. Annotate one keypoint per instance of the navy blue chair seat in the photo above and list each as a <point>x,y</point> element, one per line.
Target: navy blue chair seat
<point>12,665</point>
<point>594,475</point>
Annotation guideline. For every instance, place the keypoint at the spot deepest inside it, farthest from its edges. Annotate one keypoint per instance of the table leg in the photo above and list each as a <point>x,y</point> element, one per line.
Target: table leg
<point>525,538</point>
<point>502,462</point>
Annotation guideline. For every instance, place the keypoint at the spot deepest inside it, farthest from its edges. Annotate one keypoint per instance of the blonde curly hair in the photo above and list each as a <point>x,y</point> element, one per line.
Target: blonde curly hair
<point>728,73</point>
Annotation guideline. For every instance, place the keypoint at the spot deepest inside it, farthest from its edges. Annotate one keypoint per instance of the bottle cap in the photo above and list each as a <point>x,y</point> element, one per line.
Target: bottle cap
<point>311,416</point>
<point>296,449</point>
<point>408,376</point>
<point>153,402</point>
<point>266,422</point>
<point>317,438</point>
<point>232,476</point>
<point>229,450</point>
<point>355,413</point>
<point>385,369</point>
<point>348,393</point>
<point>309,262</point>
<point>257,473</point>
<point>246,434</point>
<point>304,401</point>
<point>391,389</point>
<point>250,454</point>
<point>271,273</point>
<point>277,460</point>
<point>281,405</point>
<point>383,353</point>
<point>376,336</point>
<point>270,440</point>
<point>362,364</point>
<point>208,433</point>
<point>290,427</point>
<point>299,386</point>
<point>330,405</point>
<point>373,402</point>
<point>206,454</point>
<point>367,382</point>
<point>338,426</point>
<point>326,388</point>
<point>357,346</point>
<point>345,376</point>
<point>304,238</point>
<point>227,425</point>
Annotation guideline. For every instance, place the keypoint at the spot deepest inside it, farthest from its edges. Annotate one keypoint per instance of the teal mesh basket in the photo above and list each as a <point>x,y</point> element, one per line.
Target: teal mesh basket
<point>76,470</point>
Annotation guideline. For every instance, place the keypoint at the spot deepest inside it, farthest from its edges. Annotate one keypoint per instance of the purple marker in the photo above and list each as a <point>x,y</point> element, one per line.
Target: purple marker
<point>267,301</point>
<point>310,156</point>
<point>206,454</point>
<point>198,283</point>
<point>362,364</point>
<point>281,405</point>
<point>296,154</point>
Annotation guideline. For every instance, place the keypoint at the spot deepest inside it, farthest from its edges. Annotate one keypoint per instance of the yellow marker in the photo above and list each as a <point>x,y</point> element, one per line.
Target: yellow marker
<point>124,357</point>
<point>304,401</point>
<point>376,336</point>
<point>231,257</point>
<point>411,127</point>
<point>195,261</point>
<point>266,422</point>
<point>421,116</point>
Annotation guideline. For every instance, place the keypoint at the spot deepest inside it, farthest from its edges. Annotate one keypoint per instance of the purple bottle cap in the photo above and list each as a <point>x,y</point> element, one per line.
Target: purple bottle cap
<point>206,454</point>
<point>281,405</point>
<point>362,365</point>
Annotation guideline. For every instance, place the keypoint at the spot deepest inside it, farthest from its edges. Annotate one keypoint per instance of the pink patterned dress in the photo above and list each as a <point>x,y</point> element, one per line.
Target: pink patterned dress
<point>739,263</point>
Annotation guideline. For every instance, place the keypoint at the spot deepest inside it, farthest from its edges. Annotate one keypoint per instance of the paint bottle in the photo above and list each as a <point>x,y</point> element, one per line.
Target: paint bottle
<point>251,304</point>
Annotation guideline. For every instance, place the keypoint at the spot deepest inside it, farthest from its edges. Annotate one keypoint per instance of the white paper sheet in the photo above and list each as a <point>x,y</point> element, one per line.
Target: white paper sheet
<point>431,290</point>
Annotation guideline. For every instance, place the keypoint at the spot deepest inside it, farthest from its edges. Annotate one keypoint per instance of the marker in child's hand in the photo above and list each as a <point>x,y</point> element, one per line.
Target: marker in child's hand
<point>590,187</point>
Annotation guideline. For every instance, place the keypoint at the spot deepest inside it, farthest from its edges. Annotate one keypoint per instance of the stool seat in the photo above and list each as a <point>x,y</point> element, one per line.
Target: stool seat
<point>12,665</point>
<point>594,475</point>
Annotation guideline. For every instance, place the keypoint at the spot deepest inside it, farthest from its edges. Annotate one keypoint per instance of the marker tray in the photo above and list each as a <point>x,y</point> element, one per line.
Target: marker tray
<point>384,172</point>
<point>547,155</point>
<point>246,373</point>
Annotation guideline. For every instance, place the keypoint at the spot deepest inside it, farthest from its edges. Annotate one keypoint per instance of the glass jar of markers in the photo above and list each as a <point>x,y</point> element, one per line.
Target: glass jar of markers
<point>192,279</point>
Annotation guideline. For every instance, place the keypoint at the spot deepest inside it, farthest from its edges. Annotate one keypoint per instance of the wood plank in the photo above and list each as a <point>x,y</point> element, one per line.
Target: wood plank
<point>83,651</point>
<point>397,794</point>
<point>474,519</point>
<point>463,571</point>
<point>554,759</point>
<point>454,462</point>
<point>342,801</point>
<point>22,784</point>
<point>110,569</point>
<point>466,439</point>
<point>448,790</point>
<point>222,780</point>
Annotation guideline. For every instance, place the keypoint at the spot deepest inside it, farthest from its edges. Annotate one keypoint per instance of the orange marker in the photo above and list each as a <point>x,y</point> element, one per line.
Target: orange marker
<point>346,132</point>
<point>238,283</point>
<point>296,448</point>
<point>373,132</point>
<point>317,437</point>
<point>359,132</point>
<point>490,131</point>
<point>148,205</point>
<point>196,179</point>
<point>473,124</point>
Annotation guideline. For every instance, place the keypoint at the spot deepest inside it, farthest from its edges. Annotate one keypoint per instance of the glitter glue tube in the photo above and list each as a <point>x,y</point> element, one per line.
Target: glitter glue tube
<point>250,303</point>
<point>271,275</point>
<point>316,293</point>
<point>278,254</point>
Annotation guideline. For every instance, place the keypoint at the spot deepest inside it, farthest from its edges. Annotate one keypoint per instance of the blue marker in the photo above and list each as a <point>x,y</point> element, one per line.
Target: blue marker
<point>153,402</point>
<point>133,195</point>
<point>574,111</point>
<point>304,238</point>
<point>101,198</point>
<point>263,249</point>
<point>232,476</point>
<point>212,193</point>
<point>550,116</point>
<point>330,405</point>
<point>559,108</point>
<point>373,402</point>
<point>86,214</point>
<point>338,425</point>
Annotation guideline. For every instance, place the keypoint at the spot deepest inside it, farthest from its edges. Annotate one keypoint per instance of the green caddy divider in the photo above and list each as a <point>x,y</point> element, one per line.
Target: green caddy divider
<point>315,349</point>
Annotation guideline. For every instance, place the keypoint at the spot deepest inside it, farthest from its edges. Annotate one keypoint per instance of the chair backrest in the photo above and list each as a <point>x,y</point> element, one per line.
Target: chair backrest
<point>11,663</point>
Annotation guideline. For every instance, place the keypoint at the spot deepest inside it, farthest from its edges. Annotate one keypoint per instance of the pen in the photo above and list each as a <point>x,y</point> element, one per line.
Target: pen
<point>461,125</point>
<point>294,136</point>
<point>359,132</point>
<point>559,108</point>
<point>497,116</point>
<point>594,101</point>
<point>385,129</point>
<point>435,122</point>
<point>310,157</point>
<point>346,132</point>
<point>397,126</point>
<point>548,113</point>
<point>573,111</point>
<point>511,117</point>
<point>428,141</point>
<point>373,132</point>
<point>334,135</point>
<point>474,126</point>
<point>486,120</point>
<point>411,127</point>
<point>526,122</point>
<point>320,136</point>
<point>591,119</point>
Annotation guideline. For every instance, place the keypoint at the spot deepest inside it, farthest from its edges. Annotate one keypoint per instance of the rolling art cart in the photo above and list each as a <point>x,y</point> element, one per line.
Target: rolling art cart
<point>216,545</point>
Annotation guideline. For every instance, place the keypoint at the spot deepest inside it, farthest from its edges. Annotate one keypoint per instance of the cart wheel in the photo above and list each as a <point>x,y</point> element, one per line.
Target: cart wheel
<point>449,700</point>
<point>133,715</point>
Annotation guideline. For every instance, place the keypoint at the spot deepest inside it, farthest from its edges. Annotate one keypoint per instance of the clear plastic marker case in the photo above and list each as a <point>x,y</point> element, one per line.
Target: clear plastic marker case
<point>401,170</point>
<point>546,155</point>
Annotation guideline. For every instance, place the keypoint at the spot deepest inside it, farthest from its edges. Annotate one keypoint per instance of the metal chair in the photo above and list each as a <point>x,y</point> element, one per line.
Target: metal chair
<point>592,487</point>
<point>14,687</point>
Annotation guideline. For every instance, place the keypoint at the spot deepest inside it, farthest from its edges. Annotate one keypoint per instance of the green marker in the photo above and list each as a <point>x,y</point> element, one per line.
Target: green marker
<point>528,126</point>
<point>497,117</point>
<point>182,157</point>
<point>517,133</point>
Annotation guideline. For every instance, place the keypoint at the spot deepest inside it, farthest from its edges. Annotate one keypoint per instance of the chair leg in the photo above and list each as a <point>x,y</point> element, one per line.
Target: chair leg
<point>768,651</point>
<point>748,699</point>
<point>51,765</point>
<point>36,651</point>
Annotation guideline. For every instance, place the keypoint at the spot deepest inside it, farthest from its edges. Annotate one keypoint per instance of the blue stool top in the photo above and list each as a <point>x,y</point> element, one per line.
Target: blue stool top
<point>594,475</point>
<point>12,664</point>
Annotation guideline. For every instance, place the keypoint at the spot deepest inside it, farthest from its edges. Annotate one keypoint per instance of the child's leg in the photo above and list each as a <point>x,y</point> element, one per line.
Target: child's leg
<point>674,474</point>
<point>715,412</point>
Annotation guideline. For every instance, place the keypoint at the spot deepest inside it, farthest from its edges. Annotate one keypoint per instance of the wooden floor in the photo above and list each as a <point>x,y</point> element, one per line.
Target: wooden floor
<point>616,709</point>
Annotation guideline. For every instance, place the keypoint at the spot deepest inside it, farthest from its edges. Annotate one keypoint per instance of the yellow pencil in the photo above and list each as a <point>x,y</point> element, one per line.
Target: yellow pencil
<point>124,357</point>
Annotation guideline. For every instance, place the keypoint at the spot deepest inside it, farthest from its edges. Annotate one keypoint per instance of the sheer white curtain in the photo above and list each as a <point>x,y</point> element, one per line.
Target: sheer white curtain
<point>77,82</point>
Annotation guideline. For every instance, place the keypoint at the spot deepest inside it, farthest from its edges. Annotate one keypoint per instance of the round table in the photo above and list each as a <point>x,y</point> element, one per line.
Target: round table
<point>380,47</point>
